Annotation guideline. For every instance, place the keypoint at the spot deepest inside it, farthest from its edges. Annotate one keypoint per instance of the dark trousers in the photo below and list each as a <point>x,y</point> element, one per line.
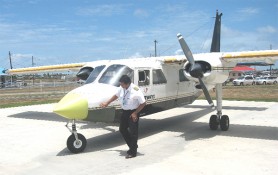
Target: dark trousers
<point>129,130</point>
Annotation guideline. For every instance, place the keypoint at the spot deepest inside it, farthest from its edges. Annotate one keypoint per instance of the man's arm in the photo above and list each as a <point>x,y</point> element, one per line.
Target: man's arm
<point>140,107</point>
<point>105,104</point>
<point>134,115</point>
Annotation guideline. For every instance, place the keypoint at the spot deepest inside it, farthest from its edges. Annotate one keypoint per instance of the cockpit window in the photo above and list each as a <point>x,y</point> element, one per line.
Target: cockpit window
<point>113,74</point>
<point>94,74</point>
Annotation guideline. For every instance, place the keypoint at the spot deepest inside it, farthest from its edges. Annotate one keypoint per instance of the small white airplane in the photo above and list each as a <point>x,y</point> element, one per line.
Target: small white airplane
<point>167,82</point>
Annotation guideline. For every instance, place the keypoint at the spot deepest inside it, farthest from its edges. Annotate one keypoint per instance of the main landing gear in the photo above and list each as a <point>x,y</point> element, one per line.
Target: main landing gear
<point>219,119</point>
<point>76,142</point>
<point>215,120</point>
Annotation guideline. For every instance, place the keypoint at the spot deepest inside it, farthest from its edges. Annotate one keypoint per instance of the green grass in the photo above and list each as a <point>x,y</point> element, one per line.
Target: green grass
<point>27,103</point>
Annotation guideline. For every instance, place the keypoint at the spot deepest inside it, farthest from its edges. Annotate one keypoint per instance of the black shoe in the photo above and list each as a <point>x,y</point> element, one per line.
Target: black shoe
<point>130,151</point>
<point>130,156</point>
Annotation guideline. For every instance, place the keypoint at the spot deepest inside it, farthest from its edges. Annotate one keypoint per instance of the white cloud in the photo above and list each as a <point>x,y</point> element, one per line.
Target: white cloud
<point>136,55</point>
<point>267,29</point>
<point>245,13</point>
<point>248,11</point>
<point>179,52</point>
<point>102,10</point>
<point>141,13</point>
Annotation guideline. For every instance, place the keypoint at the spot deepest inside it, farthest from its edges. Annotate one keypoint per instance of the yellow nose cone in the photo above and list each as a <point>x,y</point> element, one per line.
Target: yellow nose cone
<point>72,106</point>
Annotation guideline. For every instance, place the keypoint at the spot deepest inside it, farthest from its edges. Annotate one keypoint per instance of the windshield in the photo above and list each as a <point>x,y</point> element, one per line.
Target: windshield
<point>94,74</point>
<point>113,74</point>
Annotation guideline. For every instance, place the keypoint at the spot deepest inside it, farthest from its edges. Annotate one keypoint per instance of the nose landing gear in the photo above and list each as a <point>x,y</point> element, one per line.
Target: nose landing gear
<point>76,142</point>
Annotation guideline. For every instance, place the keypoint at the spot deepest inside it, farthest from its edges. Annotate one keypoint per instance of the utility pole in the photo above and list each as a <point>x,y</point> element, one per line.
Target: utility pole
<point>155,47</point>
<point>270,65</point>
<point>10,57</point>
<point>33,64</point>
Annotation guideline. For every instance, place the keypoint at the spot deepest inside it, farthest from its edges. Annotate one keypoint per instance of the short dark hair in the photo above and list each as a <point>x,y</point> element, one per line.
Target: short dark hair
<point>125,79</point>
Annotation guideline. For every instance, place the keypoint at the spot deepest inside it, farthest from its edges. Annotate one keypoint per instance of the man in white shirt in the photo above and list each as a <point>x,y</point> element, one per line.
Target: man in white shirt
<point>132,102</point>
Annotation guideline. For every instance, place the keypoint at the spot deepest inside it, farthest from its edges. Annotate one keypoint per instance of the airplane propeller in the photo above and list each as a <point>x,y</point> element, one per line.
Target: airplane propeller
<point>195,69</point>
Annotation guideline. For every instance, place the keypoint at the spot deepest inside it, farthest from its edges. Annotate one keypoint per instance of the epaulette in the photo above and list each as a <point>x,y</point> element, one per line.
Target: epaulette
<point>136,88</point>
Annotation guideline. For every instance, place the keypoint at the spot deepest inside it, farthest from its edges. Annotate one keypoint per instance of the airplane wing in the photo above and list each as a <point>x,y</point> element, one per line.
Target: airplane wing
<point>266,56</point>
<point>172,60</point>
<point>50,68</point>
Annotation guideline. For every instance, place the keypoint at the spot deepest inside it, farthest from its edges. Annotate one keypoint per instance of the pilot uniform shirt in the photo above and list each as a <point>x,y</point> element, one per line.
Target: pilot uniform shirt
<point>130,98</point>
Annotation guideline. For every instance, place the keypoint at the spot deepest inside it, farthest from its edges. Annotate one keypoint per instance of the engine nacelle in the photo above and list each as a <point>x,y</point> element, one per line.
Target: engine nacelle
<point>212,68</point>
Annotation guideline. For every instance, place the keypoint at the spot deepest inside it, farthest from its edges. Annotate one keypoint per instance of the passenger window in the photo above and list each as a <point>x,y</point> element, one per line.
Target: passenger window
<point>158,77</point>
<point>144,77</point>
<point>182,77</point>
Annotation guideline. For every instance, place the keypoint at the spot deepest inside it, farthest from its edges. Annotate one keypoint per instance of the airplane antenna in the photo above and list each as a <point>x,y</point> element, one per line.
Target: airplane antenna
<point>155,48</point>
<point>10,57</point>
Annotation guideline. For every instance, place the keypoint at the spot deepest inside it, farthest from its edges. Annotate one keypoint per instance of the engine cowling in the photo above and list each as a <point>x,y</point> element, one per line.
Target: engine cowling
<point>211,67</point>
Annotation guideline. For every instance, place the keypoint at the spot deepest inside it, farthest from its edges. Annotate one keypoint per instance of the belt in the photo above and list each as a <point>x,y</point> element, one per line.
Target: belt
<point>129,109</point>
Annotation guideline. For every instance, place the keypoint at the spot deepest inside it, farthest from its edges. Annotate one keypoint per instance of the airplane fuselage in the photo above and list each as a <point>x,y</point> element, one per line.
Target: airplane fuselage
<point>163,84</point>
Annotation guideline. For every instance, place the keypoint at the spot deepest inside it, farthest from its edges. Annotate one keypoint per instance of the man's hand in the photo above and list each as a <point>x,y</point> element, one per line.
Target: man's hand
<point>104,104</point>
<point>134,117</point>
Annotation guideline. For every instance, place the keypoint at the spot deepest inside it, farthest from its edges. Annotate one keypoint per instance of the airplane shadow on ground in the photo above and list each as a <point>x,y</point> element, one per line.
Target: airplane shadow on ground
<point>50,116</point>
<point>34,115</point>
<point>184,124</point>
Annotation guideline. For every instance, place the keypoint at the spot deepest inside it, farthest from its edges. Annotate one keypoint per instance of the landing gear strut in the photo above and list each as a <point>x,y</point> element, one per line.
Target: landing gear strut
<point>76,142</point>
<point>217,119</point>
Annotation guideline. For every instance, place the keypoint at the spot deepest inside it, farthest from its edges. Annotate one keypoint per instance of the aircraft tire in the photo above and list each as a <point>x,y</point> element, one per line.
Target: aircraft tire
<point>224,123</point>
<point>74,146</point>
<point>213,122</point>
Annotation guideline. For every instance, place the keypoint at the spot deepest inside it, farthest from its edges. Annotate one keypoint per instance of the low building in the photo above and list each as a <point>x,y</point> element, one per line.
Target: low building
<point>239,71</point>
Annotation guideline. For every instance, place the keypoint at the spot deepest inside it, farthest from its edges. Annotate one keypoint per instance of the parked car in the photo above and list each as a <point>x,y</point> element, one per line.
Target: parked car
<point>259,80</point>
<point>267,80</point>
<point>241,81</point>
<point>271,80</point>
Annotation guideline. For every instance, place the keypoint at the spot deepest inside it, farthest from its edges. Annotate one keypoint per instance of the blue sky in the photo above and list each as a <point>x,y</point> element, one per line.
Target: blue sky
<point>69,31</point>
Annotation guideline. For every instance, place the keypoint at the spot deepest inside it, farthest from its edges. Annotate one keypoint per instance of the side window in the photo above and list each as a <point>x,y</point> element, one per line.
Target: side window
<point>182,76</point>
<point>158,77</point>
<point>144,77</point>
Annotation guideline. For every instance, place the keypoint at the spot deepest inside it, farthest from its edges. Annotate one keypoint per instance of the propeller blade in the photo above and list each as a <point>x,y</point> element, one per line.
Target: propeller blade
<point>205,90</point>
<point>195,71</point>
<point>186,49</point>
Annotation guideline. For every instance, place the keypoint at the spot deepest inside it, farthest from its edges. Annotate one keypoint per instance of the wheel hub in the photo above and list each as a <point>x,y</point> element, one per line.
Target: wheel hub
<point>77,144</point>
